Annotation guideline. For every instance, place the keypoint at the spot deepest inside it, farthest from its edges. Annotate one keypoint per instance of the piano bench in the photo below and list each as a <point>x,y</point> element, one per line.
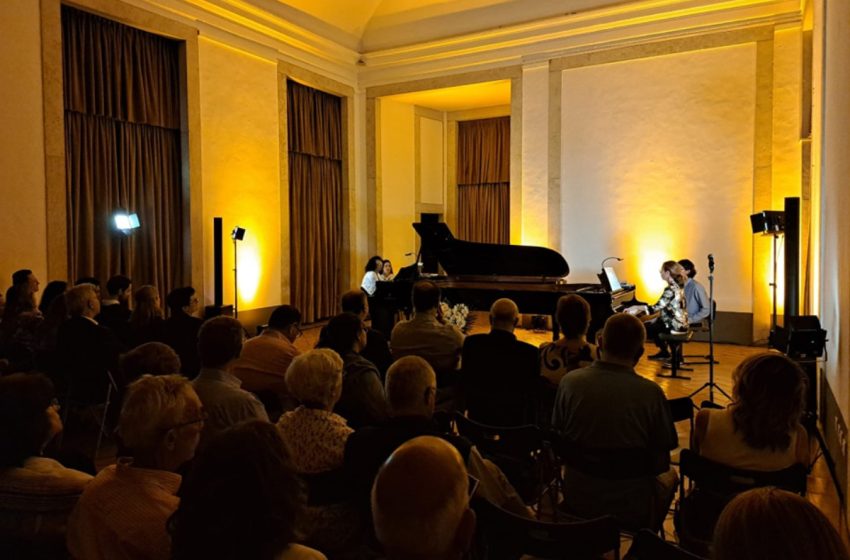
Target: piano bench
<point>676,342</point>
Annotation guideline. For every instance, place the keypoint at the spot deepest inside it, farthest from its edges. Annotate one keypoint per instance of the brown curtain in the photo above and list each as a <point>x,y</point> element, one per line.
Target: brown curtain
<point>483,180</point>
<point>122,143</point>
<point>314,123</point>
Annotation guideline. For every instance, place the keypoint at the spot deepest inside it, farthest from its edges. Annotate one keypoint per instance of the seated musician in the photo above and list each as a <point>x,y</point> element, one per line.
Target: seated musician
<point>371,277</point>
<point>695,296</point>
<point>671,306</point>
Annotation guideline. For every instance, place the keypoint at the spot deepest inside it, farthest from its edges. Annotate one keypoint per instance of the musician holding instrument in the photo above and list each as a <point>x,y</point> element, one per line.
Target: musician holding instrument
<point>671,308</point>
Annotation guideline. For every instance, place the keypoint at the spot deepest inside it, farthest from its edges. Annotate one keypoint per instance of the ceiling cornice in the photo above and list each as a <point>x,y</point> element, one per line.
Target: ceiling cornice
<point>253,29</point>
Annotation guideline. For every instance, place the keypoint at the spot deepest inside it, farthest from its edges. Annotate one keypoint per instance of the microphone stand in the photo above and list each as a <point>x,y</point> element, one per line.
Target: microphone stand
<point>711,384</point>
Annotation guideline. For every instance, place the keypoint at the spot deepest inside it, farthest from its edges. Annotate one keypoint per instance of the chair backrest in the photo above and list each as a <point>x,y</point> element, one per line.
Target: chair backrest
<point>681,409</point>
<point>649,546</point>
<point>508,535</point>
<point>515,441</point>
<point>720,479</point>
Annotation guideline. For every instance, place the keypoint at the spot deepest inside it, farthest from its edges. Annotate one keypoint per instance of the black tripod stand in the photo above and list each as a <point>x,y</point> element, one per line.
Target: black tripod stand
<point>711,384</point>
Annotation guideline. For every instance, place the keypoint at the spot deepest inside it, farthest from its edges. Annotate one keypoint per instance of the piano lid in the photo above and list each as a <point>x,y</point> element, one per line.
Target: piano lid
<point>468,258</point>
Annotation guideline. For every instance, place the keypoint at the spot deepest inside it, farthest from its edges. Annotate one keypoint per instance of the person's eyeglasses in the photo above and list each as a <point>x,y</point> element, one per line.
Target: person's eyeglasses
<point>203,418</point>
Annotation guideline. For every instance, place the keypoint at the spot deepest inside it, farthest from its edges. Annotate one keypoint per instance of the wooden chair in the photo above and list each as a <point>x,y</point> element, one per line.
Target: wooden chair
<point>507,536</point>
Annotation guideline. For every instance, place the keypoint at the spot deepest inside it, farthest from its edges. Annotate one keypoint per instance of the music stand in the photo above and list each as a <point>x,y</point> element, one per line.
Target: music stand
<point>710,384</point>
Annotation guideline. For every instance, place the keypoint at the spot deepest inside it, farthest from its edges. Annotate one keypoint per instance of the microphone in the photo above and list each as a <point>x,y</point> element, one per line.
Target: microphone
<point>710,262</point>
<point>618,259</point>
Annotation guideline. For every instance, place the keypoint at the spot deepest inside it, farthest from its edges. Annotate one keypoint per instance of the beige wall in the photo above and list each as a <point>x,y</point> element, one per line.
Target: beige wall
<point>431,161</point>
<point>23,217</point>
<point>657,164</point>
<point>397,180</point>
<point>241,169</point>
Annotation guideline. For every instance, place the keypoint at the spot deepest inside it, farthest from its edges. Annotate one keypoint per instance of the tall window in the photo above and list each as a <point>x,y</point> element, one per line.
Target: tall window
<point>483,180</point>
<point>314,124</point>
<point>122,146</point>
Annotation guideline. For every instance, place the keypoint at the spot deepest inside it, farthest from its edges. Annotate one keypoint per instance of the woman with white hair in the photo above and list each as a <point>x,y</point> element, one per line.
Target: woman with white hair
<point>315,437</point>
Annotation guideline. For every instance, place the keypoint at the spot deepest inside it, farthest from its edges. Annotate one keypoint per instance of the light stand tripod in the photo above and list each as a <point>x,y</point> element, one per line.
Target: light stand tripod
<point>711,384</point>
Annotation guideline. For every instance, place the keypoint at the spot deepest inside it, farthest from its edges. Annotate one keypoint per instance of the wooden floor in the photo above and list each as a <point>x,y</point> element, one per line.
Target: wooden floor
<point>821,489</point>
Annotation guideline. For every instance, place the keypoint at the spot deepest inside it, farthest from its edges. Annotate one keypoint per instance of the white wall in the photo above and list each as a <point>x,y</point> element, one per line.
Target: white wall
<point>431,161</point>
<point>23,214</point>
<point>397,180</point>
<point>241,169</point>
<point>657,164</point>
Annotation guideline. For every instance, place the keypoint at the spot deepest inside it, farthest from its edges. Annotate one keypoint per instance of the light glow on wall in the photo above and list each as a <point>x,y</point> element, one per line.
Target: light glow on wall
<point>249,270</point>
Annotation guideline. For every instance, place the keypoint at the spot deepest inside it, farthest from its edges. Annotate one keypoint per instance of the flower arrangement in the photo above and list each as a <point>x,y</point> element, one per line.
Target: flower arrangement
<point>455,315</point>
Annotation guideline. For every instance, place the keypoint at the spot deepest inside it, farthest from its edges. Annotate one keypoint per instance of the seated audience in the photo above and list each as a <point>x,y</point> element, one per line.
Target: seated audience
<point>426,335</point>
<point>123,511</point>
<point>88,351</point>
<point>362,402</point>
<point>768,523</point>
<point>151,358</point>
<point>36,493</point>
<point>47,337</point>
<point>220,343</point>
<point>315,437</point>
<point>572,350</point>
<point>608,406</point>
<point>242,499</point>
<point>54,289</point>
<point>115,308</point>
<point>420,502</point>
<point>20,321</point>
<point>180,330</point>
<point>377,349</point>
<point>696,299</point>
<point>146,322</point>
<point>411,389</point>
<point>761,429</point>
<point>265,358</point>
<point>95,283</point>
<point>500,373</point>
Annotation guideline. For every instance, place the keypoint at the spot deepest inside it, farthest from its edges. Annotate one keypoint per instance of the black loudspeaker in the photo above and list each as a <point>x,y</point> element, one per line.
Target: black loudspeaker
<point>768,221</point>
<point>217,308</point>
<point>806,339</point>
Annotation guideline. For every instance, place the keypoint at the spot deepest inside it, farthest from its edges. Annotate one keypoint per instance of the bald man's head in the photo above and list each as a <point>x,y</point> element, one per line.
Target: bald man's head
<point>622,338</point>
<point>420,504</point>
<point>504,314</point>
<point>411,387</point>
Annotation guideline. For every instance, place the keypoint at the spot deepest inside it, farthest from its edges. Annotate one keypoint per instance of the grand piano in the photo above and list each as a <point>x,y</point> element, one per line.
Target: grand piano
<point>477,274</point>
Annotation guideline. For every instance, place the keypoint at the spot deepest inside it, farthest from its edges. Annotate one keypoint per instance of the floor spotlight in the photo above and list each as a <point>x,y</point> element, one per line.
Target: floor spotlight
<point>238,234</point>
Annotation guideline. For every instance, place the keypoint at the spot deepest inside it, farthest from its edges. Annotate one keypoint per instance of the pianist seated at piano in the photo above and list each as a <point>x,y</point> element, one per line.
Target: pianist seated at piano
<point>370,279</point>
<point>671,309</point>
<point>428,336</point>
<point>386,274</point>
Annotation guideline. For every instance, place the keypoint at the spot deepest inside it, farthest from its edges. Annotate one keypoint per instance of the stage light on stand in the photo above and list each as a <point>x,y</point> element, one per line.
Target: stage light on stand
<point>126,223</point>
<point>238,234</point>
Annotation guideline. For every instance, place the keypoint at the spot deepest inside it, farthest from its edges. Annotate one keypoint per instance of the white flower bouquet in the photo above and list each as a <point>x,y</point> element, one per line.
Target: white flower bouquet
<point>455,315</point>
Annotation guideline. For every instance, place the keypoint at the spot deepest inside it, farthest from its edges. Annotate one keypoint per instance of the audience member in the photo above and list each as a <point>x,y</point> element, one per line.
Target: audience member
<point>36,493</point>
<point>608,406</point>
<point>265,358</point>
<point>772,524</point>
<point>362,402</point>
<point>220,342</point>
<point>115,308</point>
<point>370,278</point>
<point>377,348</point>
<point>315,437</point>
<point>123,511</point>
<point>88,351</point>
<point>26,286</point>
<point>420,502</point>
<point>21,319</point>
<point>426,335</point>
<point>761,429</point>
<point>54,289</point>
<point>47,357</point>
<point>241,500</point>
<point>696,299</point>
<point>572,350</point>
<point>411,389</point>
<point>146,322</point>
<point>181,328</point>
<point>95,283</point>
<point>151,358</point>
<point>499,373</point>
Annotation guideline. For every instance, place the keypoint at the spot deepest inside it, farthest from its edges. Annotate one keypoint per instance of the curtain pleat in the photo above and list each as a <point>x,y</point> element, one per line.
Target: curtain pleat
<point>123,151</point>
<point>483,179</point>
<point>315,190</point>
